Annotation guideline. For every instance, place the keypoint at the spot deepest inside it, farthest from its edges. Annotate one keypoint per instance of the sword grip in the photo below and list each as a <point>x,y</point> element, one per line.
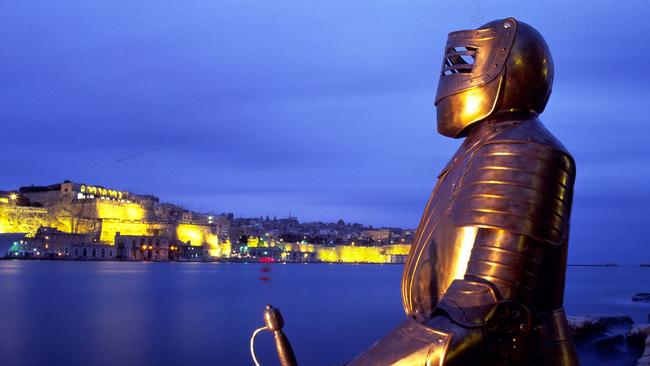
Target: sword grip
<point>274,323</point>
<point>285,352</point>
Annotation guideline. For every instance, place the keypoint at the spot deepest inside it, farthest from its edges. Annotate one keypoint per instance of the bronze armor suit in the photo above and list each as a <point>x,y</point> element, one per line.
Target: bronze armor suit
<point>484,281</point>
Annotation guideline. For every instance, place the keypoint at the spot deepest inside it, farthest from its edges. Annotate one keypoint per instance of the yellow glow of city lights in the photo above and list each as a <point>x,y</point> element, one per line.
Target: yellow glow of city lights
<point>107,209</point>
<point>112,226</point>
<point>217,248</point>
<point>195,234</point>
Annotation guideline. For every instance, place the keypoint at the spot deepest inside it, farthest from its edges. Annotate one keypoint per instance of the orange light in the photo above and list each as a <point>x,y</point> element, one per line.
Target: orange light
<point>144,247</point>
<point>150,247</point>
<point>464,245</point>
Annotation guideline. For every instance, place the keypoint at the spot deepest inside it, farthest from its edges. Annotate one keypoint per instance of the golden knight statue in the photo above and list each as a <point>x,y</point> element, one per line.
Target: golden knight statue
<point>484,281</point>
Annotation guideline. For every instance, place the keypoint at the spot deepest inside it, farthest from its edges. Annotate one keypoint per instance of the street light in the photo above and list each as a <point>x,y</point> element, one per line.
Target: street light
<point>13,196</point>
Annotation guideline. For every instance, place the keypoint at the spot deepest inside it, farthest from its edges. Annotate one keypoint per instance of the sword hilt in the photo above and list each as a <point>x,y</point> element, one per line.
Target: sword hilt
<point>274,323</point>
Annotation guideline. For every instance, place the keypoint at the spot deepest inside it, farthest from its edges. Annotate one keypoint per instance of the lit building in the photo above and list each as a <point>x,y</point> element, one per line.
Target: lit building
<point>376,236</point>
<point>52,243</point>
<point>147,248</point>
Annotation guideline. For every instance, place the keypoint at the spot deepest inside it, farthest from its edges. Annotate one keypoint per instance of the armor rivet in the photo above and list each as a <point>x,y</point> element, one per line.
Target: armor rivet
<point>503,49</point>
<point>507,25</point>
<point>487,75</point>
<point>507,33</point>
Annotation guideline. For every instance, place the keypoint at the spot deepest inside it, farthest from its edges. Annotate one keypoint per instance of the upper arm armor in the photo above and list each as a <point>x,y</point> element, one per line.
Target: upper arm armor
<point>522,187</point>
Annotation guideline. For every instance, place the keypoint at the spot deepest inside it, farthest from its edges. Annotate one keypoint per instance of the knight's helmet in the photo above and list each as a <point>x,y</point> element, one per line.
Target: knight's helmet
<point>503,66</point>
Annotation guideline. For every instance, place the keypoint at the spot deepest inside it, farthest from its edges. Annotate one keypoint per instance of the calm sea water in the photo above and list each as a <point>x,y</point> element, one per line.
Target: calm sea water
<point>112,313</point>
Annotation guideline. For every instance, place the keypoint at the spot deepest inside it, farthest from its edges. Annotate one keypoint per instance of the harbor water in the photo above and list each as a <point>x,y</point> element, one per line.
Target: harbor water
<point>114,313</point>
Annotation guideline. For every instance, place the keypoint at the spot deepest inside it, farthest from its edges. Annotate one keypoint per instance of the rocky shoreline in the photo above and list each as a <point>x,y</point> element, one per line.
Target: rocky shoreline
<point>611,339</point>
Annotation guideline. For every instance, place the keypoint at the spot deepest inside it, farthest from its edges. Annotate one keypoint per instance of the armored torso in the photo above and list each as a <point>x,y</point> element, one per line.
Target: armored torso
<point>508,174</point>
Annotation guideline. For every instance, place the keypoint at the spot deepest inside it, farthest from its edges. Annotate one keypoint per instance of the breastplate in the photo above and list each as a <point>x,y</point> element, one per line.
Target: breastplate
<point>442,247</point>
<point>439,251</point>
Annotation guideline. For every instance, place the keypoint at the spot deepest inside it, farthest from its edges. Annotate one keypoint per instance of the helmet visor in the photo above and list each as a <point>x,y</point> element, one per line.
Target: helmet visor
<point>474,58</point>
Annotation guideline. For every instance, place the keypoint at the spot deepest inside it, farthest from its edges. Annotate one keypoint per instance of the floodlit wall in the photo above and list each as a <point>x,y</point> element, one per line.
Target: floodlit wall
<point>195,234</point>
<point>107,209</point>
<point>339,253</point>
<point>360,254</point>
<point>15,219</point>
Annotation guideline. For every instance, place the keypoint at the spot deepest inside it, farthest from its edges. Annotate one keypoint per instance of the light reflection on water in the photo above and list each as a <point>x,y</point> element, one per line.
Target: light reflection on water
<point>111,313</point>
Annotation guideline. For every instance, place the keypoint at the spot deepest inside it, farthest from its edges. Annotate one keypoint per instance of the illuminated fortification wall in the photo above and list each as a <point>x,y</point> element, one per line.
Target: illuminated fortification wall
<point>109,227</point>
<point>202,234</point>
<point>103,217</point>
<point>16,219</point>
<point>106,209</point>
<point>104,212</point>
<point>359,254</point>
<point>340,253</point>
<point>125,218</point>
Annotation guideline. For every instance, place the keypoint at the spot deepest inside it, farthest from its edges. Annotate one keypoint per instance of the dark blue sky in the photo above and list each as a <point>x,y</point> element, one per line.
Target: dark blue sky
<point>319,108</point>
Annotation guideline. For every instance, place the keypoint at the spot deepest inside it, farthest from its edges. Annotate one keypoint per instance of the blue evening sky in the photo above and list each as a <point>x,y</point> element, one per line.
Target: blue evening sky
<point>321,109</point>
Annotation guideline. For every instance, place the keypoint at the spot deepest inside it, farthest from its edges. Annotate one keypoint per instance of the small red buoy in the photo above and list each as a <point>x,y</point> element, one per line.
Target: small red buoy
<point>265,278</point>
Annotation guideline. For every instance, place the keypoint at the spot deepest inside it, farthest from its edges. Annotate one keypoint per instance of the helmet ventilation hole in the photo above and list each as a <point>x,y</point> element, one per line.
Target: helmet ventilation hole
<point>459,59</point>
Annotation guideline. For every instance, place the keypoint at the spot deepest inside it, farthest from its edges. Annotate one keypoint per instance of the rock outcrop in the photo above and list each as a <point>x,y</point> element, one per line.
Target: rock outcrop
<point>639,337</point>
<point>611,339</point>
<point>641,296</point>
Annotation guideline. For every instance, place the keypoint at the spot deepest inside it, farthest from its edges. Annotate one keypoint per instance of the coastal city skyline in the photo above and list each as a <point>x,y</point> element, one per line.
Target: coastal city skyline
<point>79,221</point>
